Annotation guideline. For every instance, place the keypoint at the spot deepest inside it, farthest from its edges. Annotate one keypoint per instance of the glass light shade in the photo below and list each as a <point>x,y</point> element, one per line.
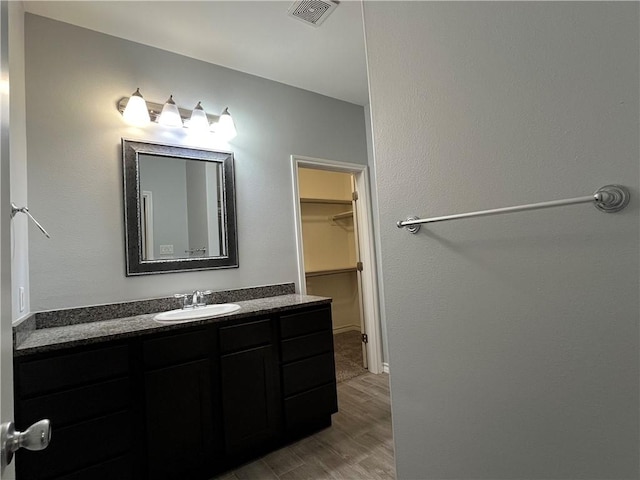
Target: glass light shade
<point>136,111</point>
<point>170,115</point>
<point>198,120</point>
<point>225,128</point>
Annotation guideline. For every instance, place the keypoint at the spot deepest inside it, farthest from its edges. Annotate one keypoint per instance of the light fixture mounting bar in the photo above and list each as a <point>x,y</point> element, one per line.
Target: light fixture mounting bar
<point>156,108</point>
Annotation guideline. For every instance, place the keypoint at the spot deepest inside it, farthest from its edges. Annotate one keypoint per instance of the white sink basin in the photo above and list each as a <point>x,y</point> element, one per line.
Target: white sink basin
<point>184,315</point>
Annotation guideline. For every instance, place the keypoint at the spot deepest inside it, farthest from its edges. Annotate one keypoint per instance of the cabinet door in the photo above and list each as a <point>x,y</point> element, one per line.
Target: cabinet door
<point>179,421</point>
<point>250,399</point>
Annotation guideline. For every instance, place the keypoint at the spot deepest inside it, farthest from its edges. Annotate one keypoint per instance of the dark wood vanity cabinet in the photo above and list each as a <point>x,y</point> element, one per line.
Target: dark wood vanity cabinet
<point>87,394</point>
<point>179,387</point>
<point>250,386</point>
<point>308,371</point>
<point>188,403</point>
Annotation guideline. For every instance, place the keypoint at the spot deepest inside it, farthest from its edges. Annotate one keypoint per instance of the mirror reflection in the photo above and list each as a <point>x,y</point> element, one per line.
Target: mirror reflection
<point>179,208</point>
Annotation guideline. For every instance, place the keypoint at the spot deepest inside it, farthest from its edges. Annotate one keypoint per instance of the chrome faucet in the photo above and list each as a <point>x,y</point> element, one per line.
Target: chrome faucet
<point>186,298</point>
<point>198,297</point>
<point>194,299</point>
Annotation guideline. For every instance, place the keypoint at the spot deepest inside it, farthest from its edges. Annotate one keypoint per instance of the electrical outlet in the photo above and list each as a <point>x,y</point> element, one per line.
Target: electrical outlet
<point>166,249</point>
<point>21,302</point>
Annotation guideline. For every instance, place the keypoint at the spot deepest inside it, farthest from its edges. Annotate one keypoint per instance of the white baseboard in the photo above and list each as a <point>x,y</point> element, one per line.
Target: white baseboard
<point>385,367</point>
<point>346,328</point>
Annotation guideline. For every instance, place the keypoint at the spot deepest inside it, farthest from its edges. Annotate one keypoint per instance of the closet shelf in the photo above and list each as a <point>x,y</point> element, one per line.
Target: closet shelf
<point>336,271</point>
<point>325,200</point>
<point>342,215</point>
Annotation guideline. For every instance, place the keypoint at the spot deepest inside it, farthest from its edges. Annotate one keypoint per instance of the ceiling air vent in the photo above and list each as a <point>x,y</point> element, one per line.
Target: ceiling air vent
<point>312,12</point>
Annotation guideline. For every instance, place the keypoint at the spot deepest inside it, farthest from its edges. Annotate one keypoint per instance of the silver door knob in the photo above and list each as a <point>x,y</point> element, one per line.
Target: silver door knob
<point>36,437</point>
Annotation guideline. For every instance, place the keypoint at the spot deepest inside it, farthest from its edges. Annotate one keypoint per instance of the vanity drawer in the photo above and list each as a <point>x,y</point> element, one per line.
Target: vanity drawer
<point>66,371</point>
<point>80,446</point>
<point>175,349</point>
<point>305,323</point>
<point>307,346</point>
<point>306,408</point>
<point>120,468</point>
<point>245,335</point>
<point>72,406</point>
<point>306,374</point>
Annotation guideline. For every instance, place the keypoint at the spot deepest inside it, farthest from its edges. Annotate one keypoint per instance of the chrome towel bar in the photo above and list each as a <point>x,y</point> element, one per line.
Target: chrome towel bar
<point>25,210</point>
<point>609,199</point>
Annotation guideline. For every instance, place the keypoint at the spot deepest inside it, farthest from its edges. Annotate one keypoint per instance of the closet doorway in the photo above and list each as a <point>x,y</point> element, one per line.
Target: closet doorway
<point>336,256</point>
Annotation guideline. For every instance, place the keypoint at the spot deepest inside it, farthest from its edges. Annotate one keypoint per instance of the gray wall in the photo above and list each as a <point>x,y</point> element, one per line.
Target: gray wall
<point>74,78</point>
<point>513,340</point>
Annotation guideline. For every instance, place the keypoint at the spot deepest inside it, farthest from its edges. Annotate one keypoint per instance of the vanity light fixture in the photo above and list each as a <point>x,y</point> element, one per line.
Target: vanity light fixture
<point>170,115</point>
<point>225,126</point>
<point>136,111</point>
<point>198,120</point>
<point>139,112</point>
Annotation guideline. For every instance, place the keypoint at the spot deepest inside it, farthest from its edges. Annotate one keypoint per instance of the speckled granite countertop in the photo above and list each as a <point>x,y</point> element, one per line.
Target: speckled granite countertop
<point>54,338</point>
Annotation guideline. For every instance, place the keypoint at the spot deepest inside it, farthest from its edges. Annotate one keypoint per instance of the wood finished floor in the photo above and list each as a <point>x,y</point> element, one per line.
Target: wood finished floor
<point>358,445</point>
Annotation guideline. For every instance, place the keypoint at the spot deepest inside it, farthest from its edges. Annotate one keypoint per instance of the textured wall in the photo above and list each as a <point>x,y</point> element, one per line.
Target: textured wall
<point>74,77</point>
<point>513,340</point>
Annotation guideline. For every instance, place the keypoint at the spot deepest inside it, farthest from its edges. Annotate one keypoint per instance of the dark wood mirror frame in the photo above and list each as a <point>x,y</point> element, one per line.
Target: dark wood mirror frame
<point>135,264</point>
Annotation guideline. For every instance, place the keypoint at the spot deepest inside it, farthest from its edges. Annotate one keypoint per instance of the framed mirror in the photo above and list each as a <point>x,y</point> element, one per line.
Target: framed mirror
<point>179,208</point>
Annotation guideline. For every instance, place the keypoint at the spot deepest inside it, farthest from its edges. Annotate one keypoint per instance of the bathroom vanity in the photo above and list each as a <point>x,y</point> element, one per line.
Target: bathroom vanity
<point>135,399</point>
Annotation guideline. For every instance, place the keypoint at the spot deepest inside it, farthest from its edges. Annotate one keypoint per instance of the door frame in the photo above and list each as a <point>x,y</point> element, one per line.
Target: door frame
<point>6,341</point>
<point>147,225</point>
<point>370,296</point>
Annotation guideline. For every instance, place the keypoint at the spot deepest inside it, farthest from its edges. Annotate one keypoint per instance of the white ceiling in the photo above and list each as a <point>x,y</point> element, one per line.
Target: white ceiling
<point>255,37</point>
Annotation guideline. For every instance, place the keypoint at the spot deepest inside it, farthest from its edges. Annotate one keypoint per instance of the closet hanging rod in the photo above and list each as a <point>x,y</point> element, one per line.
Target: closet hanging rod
<point>609,199</point>
<point>25,210</point>
<point>338,216</point>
